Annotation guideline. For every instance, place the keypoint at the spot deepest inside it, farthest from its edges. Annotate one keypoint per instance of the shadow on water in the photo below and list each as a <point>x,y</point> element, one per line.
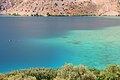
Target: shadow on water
<point>46,27</point>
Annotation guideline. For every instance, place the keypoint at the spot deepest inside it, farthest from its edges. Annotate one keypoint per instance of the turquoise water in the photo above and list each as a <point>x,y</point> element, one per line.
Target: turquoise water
<point>53,41</point>
<point>93,48</point>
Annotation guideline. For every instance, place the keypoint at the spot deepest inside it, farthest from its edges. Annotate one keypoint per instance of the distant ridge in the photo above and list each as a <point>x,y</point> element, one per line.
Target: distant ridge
<point>60,7</point>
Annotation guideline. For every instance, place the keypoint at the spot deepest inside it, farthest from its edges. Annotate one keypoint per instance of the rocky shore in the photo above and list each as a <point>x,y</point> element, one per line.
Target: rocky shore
<point>60,7</point>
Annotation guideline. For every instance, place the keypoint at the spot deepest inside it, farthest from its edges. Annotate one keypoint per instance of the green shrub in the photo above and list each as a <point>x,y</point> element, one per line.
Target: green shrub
<point>15,14</point>
<point>111,72</point>
<point>38,73</point>
<point>70,72</point>
<point>3,77</point>
<point>21,76</point>
<point>66,72</point>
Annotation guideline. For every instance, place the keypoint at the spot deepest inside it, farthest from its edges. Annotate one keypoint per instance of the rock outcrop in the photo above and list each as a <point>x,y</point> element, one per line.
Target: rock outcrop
<point>60,7</point>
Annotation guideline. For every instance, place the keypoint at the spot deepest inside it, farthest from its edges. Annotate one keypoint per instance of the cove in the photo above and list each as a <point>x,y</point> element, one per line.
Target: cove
<point>27,42</point>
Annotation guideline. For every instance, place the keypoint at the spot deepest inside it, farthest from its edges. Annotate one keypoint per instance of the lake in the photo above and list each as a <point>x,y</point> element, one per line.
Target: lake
<point>51,42</point>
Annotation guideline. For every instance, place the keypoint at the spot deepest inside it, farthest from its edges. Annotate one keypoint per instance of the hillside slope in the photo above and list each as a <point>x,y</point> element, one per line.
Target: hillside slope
<point>60,7</point>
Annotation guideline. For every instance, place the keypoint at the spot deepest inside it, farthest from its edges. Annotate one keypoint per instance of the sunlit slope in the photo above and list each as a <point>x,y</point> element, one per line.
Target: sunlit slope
<point>60,7</point>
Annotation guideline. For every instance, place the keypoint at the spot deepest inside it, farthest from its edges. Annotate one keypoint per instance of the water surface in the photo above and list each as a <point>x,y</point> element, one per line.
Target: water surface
<point>53,41</point>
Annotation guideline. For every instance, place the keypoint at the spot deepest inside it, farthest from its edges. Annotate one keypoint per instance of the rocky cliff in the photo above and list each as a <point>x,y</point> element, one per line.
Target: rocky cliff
<point>60,7</point>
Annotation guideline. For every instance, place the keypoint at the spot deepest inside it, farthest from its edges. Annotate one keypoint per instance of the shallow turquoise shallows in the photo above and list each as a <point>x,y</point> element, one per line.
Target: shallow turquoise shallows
<point>27,42</point>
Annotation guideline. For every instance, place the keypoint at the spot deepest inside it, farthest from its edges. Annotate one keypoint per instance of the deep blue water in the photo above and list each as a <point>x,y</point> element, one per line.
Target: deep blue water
<point>53,41</point>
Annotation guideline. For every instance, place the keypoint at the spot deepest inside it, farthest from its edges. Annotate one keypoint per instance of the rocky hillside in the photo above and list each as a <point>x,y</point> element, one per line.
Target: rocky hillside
<point>60,7</point>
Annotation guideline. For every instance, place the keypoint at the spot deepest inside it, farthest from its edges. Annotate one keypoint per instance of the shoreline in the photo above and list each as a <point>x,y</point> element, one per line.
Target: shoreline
<point>110,17</point>
<point>59,15</point>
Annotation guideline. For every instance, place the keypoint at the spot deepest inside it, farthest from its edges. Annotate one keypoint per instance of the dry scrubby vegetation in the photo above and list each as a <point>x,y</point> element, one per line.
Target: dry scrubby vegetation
<point>67,72</point>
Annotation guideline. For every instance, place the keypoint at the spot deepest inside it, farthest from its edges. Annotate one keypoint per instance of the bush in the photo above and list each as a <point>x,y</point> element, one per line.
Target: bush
<point>70,72</point>
<point>66,72</point>
<point>111,72</point>
<point>21,77</point>
<point>3,77</point>
<point>15,14</point>
<point>38,73</point>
